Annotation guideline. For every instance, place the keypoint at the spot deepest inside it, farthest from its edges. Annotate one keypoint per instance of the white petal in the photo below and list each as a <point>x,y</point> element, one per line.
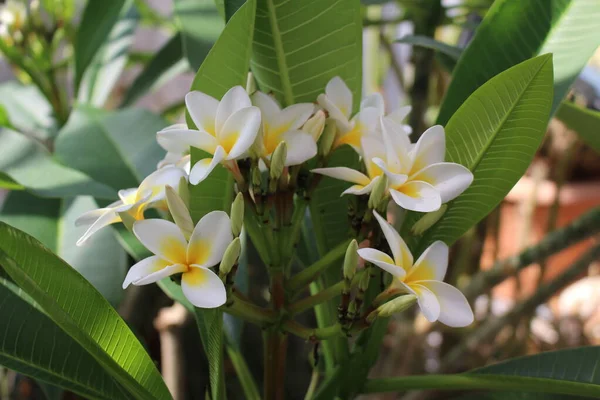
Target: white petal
<point>397,147</point>
<point>360,189</point>
<point>372,147</point>
<point>402,255</point>
<point>300,147</point>
<point>155,183</point>
<point>210,239</point>
<point>455,310</point>
<point>417,196</point>
<point>399,114</point>
<point>340,95</point>
<point>162,238</point>
<point>294,116</point>
<point>109,217</point>
<point>382,260</point>
<point>144,268</point>
<point>341,119</point>
<point>203,110</point>
<point>234,100</point>
<point>431,265</point>
<point>344,174</point>
<point>395,179</point>
<point>429,149</point>
<point>269,107</point>
<point>239,132</point>
<point>127,196</point>
<point>180,140</point>
<point>204,167</point>
<point>449,179</point>
<point>92,216</point>
<point>203,288</point>
<point>376,101</point>
<point>428,302</point>
<point>162,274</point>
<point>365,121</point>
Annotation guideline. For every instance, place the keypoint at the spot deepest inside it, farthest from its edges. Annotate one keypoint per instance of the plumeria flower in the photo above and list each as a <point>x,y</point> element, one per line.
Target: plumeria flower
<point>177,154</point>
<point>337,100</point>
<point>226,129</point>
<point>134,201</point>
<point>13,15</point>
<point>419,179</point>
<point>173,254</point>
<point>284,126</point>
<point>397,116</point>
<point>437,300</point>
<point>372,148</point>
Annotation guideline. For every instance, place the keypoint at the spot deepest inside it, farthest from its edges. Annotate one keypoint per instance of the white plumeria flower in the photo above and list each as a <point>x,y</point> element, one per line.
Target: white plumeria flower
<point>134,201</point>
<point>437,300</point>
<point>397,116</point>
<point>175,255</point>
<point>419,179</point>
<point>363,184</point>
<point>177,154</point>
<point>13,15</point>
<point>226,129</point>
<point>284,126</point>
<point>337,100</point>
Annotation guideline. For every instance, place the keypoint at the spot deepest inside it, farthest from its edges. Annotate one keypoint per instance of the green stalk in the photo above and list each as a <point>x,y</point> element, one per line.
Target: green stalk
<point>243,373</point>
<point>251,312</point>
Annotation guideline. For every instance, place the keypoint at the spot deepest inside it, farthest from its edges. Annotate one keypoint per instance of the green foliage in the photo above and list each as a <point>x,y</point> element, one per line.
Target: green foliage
<point>27,110</point>
<point>582,120</point>
<point>6,182</point>
<point>450,54</point>
<point>512,32</point>
<point>68,299</point>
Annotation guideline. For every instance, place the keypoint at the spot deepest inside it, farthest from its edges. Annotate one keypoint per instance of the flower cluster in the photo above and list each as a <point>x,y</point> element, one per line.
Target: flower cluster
<point>258,141</point>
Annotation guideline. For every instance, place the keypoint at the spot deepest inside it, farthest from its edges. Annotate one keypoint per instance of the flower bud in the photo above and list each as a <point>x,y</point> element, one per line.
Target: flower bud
<point>394,306</point>
<point>184,191</point>
<point>230,258</point>
<point>250,83</point>
<point>179,212</point>
<point>278,161</point>
<point>315,125</point>
<point>378,192</point>
<point>351,260</point>
<point>327,138</point>
<point>427,221</point>
<point>363,284</point>
<point>237,215</point>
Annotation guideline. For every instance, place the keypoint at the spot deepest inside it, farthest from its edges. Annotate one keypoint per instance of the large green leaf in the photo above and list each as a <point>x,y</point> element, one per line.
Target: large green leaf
<point>28,163</point>
<point>6,182</point>
<point>109,62</point>
<point>82,312</point>
<point>200,25</point>
<point>98,20</point>
<point>27,109</point>
<point>495,134</point>
<point>299,46</point>
<point>582,120</point>
<point>52,221</point>
<point>32,344</point>
<point>116,148</point>
<point>513,31</point>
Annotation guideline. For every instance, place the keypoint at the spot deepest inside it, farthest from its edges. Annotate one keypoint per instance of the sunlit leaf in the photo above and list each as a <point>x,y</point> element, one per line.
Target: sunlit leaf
<point>582,120</point>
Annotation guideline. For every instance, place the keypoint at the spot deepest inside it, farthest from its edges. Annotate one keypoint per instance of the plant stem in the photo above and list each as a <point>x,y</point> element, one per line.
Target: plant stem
<point>250,312</point>
<point>585,226</point>
<point>275,348</point>
<point>313,334</point>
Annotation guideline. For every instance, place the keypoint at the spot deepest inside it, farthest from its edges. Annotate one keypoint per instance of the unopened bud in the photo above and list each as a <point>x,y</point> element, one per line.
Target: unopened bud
<point>230,257</point>
<point>315,125</point>
<point>394,306</point>
<point>278,161</point>
<point>183,190</point>
<point>328,137</point>
<point>378,192</point>
<point>427,221</point>
<point>179,212</point>
<point>363,284</point>
<point>237,215</point>
<point>351,260</point>
<point>256,177</point>
<point>250,83</point>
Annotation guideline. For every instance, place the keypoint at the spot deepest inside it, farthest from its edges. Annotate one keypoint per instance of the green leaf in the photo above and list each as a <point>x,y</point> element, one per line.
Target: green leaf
<point>298,48</point>
<point>52,221</point>
<point>109,62</point>
<point>165,64</point>
<point>32,344</point>
<point>98,20</point>
<point>127,139</point>
<point>200,25</point>
<point>27,109</point>
<point>514,31</point>
<point>495,134</point>
<point>582,120</point>
<point>6,182</point>
<point>429,43</point>
<point>31,165</point>
<point>231,7</point>
<point>210,326</point>
<point>82,312</point>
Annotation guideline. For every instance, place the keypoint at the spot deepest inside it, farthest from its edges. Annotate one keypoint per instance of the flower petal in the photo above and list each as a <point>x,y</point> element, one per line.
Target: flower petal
<point>344,174</point>
<point>429,149</point>
<point>162,274</point>
<point>402,255</point>
<point>210,239</point>
<point>180,140</point>
<point>204,167</point>
<point>239,132</point>
<point>108,217</point>
<point>399,114</point>
<point>294,116</point>
<point>395,179</point>
<point>455,310</point>
<point>340,95</point>
<point>397,147</point>
<point>365,121</point>
<point>449,179</point>
<point>203,288</point>
<point>372,147</point>
<point>154,184</point>
<point>163,238</point>
<point>269,107</point>
<point>376,101</point>
<point>417,196</point>
<point>428,302</point>
<point>127,196</point>
<point>144,271</point>
<point>300,147</point>
<point>382,260</point>
<point>234,100</point>
<point>342,120</point>
<point>203,110</point>
<point>431,265</point>
<point>361,189</point>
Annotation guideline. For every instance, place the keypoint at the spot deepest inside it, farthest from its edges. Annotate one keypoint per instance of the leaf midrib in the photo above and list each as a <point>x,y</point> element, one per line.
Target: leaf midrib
<point>286,84</point>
